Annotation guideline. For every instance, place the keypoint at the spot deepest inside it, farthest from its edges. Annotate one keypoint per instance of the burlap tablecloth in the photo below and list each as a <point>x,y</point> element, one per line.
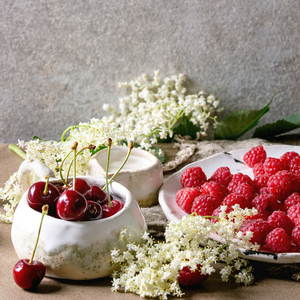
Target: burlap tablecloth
<point>272,282</point>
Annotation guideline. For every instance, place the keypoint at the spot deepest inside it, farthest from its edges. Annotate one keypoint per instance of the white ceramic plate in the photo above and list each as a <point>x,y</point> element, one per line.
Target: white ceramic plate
<point>233,160</point>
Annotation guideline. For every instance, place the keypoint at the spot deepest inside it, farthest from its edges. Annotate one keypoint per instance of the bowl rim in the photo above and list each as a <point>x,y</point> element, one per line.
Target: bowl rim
<point>146,154</point>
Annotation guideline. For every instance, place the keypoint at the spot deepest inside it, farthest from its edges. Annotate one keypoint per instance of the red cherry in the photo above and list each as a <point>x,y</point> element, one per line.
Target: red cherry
<point>37,198</point>
<point>28,275</point>
<point>60,188</point>
<point>187,278</point>
<point>71,205</point>
<point>110,210</point>
<point>93,211</point>
<point>81,185</point>
<point>96,194</point>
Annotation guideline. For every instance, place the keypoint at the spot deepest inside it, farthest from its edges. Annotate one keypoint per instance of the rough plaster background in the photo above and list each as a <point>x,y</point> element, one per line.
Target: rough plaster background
<point>60,60</point>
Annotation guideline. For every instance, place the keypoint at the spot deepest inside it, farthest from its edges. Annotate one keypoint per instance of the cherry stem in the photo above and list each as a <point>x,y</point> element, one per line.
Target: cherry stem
<point>109,142</point>
<point>60,170</point>
<point>74,148</point>
<point>130,146</point>
<point>69,169</point>
<point>45,192</point>
<point>45,209</point>
<point>90,146</point>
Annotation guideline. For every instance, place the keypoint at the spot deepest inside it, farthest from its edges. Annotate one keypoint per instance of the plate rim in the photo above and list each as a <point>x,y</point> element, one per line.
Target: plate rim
<point>276,258</point>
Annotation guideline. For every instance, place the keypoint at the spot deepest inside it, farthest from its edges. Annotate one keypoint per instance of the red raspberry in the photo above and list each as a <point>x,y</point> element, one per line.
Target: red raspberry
<point>295,166</point>
<point>296,236</point>
<point>293,248</point>
<point>287,157</point>
<point>294,214</point>
<point>185,197</point>
<point>280,219</point>
<point>234,198</point>
<point>222,176</point>
<point>264,190</point>
<point>246,190</point>
<point>260,181</point>
<point>237,179</point>
<point>272,165</point>
<point>265,248</point>
<point>278,240</point>
<point>193,177</point>
<point>281,207</point>
<point>212,188</point>
<point>282,184</point>
<point>258,169</point>
<point>260,229</point>
<point>204,205</point>
<point>291,200</point>
<point>186,277</point>
<point>265,204</point>
<point>255,155</point>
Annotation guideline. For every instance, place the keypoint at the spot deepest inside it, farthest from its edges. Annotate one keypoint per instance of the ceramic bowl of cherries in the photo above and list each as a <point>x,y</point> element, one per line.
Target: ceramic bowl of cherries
<point>86,217</point>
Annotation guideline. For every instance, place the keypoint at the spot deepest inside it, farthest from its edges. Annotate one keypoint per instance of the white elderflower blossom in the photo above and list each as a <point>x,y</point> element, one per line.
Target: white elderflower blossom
<point>245,276</point>
<point>11,194</point>
<point>151,269</point>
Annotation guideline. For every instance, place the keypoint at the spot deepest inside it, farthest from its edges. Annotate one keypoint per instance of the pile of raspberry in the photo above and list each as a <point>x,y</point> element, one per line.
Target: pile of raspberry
<point>273,191</point>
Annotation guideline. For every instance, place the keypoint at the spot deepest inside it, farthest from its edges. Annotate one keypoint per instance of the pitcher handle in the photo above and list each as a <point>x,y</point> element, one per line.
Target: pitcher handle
<point>36,166</point>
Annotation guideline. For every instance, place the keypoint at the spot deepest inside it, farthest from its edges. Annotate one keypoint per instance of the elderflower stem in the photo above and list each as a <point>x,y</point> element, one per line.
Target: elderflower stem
<point>17,150</point>
<point>179,115</point>
<point>45,209</point>
<point>69,128</point>
<point>130,146</point>
<point>206,217</point>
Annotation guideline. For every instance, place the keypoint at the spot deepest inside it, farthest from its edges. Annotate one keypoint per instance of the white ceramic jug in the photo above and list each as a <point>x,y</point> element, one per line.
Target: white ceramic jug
<point>142,173</point>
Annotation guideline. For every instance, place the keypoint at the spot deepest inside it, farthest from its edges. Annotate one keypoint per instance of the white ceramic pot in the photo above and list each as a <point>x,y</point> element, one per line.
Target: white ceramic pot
<point>73,249</point>
<point>142,173</point>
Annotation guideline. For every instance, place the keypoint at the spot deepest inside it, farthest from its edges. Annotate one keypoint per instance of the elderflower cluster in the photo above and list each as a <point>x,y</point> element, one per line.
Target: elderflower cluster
<point>150,112</point>
<point>11,194</point>
<point>151,269</point>
<point>161,107</point>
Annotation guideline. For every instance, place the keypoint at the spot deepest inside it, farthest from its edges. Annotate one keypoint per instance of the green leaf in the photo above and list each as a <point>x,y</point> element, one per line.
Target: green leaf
<point>186,127</point>
<point>239,122</point>
<point>36,138</point>
<point>295,119</point>
<point>279,127</point>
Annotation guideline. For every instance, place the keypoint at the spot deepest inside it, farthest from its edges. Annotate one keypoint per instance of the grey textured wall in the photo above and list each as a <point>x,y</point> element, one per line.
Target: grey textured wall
<point>62,59</point>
